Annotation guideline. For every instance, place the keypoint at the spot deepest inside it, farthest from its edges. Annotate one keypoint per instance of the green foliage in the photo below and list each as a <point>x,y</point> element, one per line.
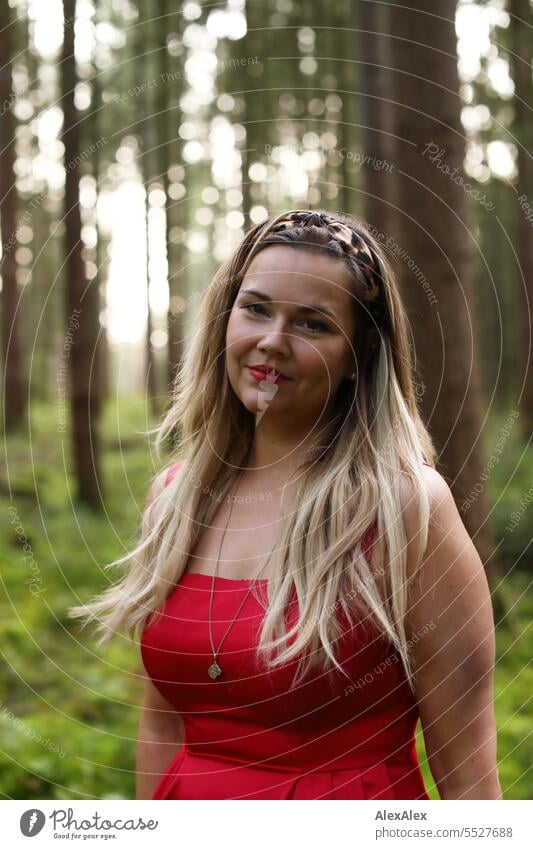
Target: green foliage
<point>69,713</point>
<point>513,685</point>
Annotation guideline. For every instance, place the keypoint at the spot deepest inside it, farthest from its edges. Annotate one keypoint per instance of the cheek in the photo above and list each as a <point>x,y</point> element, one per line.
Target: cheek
<point>235,334</point>
<point>239,342</point>
<point>325,359</point>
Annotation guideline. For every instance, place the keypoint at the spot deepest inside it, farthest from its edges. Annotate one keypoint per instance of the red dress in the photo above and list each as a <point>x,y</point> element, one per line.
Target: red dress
<point>248,737</point>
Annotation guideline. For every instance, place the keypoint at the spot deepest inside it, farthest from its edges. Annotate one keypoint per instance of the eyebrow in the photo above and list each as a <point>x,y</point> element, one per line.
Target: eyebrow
<point>302,308</point>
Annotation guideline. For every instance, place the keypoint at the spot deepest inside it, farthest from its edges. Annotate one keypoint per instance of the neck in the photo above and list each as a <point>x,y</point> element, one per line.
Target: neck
<point>273,451</point>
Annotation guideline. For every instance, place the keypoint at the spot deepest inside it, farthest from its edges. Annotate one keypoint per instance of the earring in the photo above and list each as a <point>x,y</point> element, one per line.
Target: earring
<point>353,376</point>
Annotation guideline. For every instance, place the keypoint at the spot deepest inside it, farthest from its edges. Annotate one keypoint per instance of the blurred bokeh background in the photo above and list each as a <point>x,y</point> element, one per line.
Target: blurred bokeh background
<point>139,141</point>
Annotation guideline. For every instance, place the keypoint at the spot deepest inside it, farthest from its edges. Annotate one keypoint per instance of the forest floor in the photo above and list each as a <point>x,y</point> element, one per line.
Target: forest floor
<point>69,711</point>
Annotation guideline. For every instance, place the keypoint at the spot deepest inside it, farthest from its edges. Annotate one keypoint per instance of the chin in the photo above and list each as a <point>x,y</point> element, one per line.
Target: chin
<point>248,400</point>
<point>254,403</point>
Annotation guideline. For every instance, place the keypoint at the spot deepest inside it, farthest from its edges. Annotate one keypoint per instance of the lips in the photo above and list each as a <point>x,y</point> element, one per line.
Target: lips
<point>266,373</point>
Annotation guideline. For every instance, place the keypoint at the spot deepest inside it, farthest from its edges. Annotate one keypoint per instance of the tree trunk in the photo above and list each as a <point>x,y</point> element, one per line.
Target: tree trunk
<point>148,141</point>
<point>377,166</point>
<point>82,298</point>
<point>348,137</point>
<point>520,62</point>
<point>249,79</point>
<point>432,234</point>
<point>163,127</point>
<point>94,132</point>
<point>14,378</point>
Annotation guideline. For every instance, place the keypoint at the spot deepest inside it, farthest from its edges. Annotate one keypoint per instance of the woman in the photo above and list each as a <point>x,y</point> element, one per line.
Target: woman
<point>348,600</point>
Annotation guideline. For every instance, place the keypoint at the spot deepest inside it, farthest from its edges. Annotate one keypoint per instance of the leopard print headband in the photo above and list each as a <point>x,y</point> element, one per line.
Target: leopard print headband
<point>350,242</point>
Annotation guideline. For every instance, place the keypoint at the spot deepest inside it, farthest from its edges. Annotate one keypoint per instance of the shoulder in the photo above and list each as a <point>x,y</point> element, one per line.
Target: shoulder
<point>446,531</point>
<point>440,497</point>
<point>450,561</point>
<point>450,593</point>
<point>436,487</point>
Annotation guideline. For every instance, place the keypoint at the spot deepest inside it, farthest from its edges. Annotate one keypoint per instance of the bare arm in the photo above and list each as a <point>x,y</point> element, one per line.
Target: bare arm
<point>454,658</point>
<point>159,740</point>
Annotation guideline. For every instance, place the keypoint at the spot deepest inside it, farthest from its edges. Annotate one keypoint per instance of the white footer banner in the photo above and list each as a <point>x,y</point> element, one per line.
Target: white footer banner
<point>240,823</point>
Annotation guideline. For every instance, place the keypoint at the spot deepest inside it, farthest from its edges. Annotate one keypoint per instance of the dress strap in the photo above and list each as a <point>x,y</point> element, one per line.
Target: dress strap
<point>171,471</point>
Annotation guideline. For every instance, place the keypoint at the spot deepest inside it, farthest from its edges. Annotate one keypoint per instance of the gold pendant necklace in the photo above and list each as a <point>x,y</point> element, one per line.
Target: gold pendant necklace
<point>214,670</point>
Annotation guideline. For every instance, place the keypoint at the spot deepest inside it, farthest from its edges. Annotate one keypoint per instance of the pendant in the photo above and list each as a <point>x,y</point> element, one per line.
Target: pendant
<point>214,670</point>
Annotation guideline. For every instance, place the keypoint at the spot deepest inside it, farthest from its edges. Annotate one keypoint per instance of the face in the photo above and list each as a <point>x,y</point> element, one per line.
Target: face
<point>295,312</point>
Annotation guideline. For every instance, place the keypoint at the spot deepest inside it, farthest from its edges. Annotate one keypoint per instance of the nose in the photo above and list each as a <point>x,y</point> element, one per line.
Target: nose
<point>276,340</point>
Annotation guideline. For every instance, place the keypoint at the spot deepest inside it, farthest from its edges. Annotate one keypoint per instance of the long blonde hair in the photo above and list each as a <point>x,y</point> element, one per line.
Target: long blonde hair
<point>349,483</point>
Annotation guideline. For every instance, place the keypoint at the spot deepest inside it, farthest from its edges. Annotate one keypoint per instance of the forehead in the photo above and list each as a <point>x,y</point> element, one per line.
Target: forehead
<point>286,273</point>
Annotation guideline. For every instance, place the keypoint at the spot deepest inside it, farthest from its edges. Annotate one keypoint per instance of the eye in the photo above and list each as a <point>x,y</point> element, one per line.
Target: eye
<point>321,326</point>
<point>318,328</point>
<point>251,307</point>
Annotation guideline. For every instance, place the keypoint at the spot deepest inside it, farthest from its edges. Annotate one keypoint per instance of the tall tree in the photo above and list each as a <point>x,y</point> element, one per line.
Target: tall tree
<point>376,113</point>
<point>521,28</point>
<point>251,80</point>
<point>169,148</point>
<point>147,139</point>
<point>348,136</point>
<point>497,296</point>
<point>14,378</point>
<point>99,254</point>
<point>82,298</point>
<point>161,132</point>
<point>432,230</point>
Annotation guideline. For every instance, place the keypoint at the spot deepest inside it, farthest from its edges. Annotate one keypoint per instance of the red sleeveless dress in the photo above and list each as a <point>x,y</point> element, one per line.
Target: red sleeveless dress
<point>247,736</point>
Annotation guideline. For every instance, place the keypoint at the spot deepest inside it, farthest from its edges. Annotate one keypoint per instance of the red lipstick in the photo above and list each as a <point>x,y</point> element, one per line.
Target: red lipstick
<point>266,373</point>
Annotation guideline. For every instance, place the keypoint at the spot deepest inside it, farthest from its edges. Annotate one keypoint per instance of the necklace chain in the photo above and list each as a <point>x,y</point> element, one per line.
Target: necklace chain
<point>215,670</point>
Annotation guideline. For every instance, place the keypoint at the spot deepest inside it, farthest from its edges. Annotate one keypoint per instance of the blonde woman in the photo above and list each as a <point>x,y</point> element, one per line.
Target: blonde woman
<point>304,587</point>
